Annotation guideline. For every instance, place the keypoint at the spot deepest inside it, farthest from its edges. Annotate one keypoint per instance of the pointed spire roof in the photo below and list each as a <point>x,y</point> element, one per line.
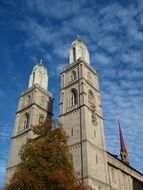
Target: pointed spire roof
<point>78,50</point>
<point>39,75</point>
<point>122,144</point>
<point>123,150</point>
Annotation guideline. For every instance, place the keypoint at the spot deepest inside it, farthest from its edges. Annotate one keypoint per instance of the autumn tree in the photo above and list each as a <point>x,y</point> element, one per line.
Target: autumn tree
<point>45,163</point>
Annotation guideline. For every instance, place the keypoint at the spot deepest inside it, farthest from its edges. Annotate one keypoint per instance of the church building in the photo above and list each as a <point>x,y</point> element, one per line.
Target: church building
<point>81,116</point>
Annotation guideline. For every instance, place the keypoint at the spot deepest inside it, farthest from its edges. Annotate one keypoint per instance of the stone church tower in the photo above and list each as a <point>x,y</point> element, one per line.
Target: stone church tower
<point>81,115</point>
<point>33,107</point>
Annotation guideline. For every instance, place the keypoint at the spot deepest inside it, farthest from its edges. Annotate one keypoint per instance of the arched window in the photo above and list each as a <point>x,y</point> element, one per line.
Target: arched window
<point>73,76</point>
<point>33,79</point>
<point>26,121</point>
<point>41,119</point>
<point>43,102</point>
<point>74,97</point>
<point>27,100</point>
<point>74,54</point>
<point>94,118</point>
<point>90,96</point>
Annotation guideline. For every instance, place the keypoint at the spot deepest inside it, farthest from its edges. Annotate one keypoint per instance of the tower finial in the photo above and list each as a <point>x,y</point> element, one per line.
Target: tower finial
<point>78,50</point>
<point>123,150</point>
<point>41,61</point>
<point>78,38</point>
<point>39,75</point>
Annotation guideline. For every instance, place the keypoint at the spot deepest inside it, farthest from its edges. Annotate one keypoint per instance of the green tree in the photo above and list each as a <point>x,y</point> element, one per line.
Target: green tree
<point>45,163</point>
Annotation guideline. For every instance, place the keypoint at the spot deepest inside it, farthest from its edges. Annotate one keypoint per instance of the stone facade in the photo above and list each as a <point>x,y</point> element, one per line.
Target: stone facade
<point>81,115</point>
<point>122,176</point>
<point>34,105</point>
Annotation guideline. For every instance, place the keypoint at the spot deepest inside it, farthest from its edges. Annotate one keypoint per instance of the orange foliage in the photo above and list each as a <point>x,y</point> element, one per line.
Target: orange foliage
<point>45,163</point>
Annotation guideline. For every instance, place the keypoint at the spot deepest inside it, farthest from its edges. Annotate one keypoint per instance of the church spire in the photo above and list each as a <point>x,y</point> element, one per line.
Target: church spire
<point>123,150</point>
<point>78,50</point>
<point>39,75</point>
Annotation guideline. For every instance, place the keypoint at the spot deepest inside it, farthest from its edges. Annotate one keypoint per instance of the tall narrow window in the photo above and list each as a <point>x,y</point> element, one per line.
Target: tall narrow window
<point>74,54</point>
<point>26,121</point>
<point>33,78</point>
<point>94,133</point>
<point>74,97</point>
<point>27,100</point>
<point>41,119</point>
<point>73,75</point>
<point>71,131</point>
<point>90,96</point>
<point>97,160</point>
<point>43,102</point>
<point>94,119</point>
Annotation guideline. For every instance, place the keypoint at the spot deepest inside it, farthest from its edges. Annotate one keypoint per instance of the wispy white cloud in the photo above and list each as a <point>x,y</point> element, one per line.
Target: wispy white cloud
<point>112,35</point>
<point>53,9</point>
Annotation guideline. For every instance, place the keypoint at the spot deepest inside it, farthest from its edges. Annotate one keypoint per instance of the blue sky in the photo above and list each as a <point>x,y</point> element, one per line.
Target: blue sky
<point>35,29</point>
